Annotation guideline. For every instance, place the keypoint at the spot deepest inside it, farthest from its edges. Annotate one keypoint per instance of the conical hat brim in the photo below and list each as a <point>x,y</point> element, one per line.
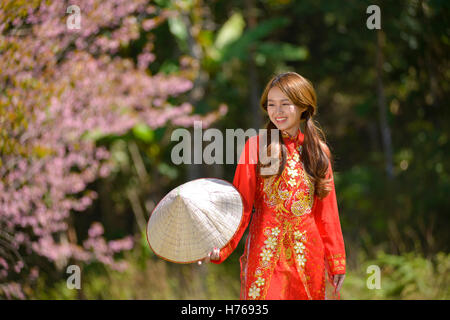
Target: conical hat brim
<point>194,218</point>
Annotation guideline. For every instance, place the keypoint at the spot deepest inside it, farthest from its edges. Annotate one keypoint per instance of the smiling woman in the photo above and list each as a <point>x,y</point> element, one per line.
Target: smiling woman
<point>282,111</point>
<point>295,241</point>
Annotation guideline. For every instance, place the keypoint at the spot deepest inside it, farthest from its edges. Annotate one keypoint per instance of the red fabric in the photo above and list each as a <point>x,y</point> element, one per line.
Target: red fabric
<point>295,241</point>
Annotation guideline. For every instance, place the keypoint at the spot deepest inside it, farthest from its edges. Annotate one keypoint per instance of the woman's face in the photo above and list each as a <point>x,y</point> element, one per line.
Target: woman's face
<point>282,112</point>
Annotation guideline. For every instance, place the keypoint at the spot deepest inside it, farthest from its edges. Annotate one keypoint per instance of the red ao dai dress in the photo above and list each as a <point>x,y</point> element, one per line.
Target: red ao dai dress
<point>294,239</point>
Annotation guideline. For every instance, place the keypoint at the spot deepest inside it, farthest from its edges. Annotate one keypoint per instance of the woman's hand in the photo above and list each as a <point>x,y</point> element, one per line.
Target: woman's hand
<point>213,255</point>
<point>338,280</point>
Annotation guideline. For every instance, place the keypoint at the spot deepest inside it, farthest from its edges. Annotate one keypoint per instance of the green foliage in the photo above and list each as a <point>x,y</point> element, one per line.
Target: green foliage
<point>407,276</point>
<point>240,48</point>
<point>144,133</point>
<point>230,31</point>
<point>147,277</point>
<point>178,28</point>
<point>280,51</point>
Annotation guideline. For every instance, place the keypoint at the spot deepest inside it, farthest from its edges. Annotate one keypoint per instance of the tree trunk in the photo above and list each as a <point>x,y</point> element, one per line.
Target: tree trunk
<point>253,87</point>
<point>382,108</point>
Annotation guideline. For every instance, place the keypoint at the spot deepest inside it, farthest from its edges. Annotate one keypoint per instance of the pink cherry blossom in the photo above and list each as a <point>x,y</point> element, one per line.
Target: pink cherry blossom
<point>57,87</point>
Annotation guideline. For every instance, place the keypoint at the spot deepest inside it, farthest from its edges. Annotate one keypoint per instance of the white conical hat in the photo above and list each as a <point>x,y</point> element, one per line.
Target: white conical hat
<point>194,218</point>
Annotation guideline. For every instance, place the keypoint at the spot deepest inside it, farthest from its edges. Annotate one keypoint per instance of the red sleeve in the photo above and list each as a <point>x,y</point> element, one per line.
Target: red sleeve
<point>245,183</point>
<point>326,216</point>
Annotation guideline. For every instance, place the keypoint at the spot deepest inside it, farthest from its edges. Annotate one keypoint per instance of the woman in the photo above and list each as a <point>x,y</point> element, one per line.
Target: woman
<point>295,241</point>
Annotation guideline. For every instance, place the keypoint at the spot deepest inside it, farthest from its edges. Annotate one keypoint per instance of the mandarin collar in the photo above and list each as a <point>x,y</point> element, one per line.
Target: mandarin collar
<point>298,138</point>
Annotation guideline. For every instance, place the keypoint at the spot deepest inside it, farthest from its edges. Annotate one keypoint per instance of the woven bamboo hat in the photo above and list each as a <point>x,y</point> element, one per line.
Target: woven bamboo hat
<point>194,218</point>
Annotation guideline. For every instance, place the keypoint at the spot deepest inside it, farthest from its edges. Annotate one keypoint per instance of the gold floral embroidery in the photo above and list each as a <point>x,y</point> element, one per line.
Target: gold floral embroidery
<point>289,196</point>
<point>308,182</point>
<point>284,194</point>
<point>288,253</point>
<point>277,195</point>
<point>254,291</point>
<point>299,247</point>
<point>305,198</point>
<point>276,231</point>
<point>301,260</point>
<point>292,182</point>
<point>270,187</point>
<point>280,208</point>
<point>291,163</point>
<point>260,281</point>
<point>337,263</point>
<point>303,205</point>
<point>300,235</point>
<point>292,172</point>
<point>267,253</point>
<point>271,243</point>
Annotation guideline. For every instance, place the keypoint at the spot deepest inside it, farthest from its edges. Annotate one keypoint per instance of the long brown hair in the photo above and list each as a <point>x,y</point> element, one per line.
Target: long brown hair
<point>315,153</point>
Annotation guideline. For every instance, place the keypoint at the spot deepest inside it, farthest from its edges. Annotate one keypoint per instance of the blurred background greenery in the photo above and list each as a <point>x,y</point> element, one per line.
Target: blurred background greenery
<point>381,102</point>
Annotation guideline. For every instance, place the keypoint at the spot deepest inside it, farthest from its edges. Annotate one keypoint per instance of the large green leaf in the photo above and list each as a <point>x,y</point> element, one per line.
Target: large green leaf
<point>143,132</point>
<point>240,47</point>
<point>231,31</point>
<point>280,52</point>
<point>177,28</point>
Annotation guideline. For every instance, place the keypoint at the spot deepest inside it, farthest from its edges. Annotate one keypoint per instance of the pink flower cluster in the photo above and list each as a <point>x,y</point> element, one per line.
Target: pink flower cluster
<point>57,86</point>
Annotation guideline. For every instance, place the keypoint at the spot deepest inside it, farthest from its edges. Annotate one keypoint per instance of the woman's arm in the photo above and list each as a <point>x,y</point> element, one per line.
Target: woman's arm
<point>245,183</point>
<point>326,216</point>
